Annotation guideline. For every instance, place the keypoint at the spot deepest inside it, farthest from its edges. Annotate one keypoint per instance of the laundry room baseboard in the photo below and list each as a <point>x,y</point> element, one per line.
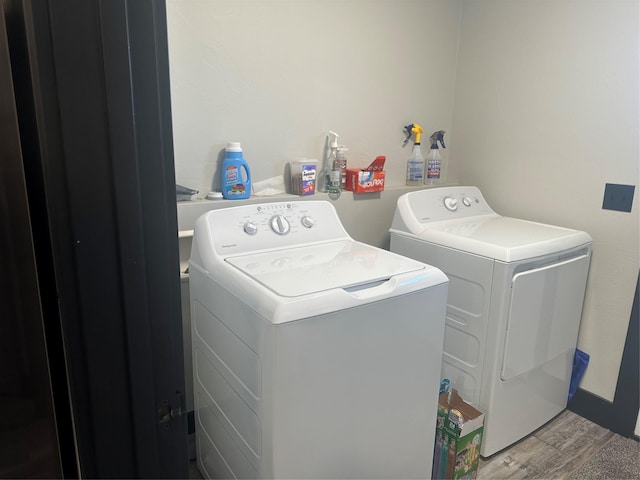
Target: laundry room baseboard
<point>593,408</point>
<point>602,412</point>
<point>620,415</point>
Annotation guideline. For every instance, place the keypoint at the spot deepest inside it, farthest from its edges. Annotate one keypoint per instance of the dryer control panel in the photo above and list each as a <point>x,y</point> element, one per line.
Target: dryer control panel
<point>266,226</point>
<point>444,203</point>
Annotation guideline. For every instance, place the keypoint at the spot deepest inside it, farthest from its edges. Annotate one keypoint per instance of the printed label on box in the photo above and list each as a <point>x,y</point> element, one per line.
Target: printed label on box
<point>365,181</point>
<point>459,430</point>
<point>308,179</point>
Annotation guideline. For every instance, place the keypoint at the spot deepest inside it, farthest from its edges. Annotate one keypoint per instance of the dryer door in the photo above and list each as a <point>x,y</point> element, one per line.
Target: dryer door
<point>544,315</point>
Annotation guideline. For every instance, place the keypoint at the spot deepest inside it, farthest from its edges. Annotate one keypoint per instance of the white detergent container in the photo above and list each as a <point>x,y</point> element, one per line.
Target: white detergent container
<point>514,305</point>
<point>314,355</point>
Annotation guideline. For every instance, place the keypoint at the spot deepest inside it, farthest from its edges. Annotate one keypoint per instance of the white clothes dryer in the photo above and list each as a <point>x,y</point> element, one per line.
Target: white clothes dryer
<point>515,302</point>
<point>314,355</point>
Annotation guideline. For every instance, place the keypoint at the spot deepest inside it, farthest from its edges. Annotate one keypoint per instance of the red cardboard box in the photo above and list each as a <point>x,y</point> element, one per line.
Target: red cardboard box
<point>367,180</point>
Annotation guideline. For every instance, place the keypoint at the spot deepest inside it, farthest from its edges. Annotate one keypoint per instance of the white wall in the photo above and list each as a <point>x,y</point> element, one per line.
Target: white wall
<point>546,113</point>
<point>546,110</point>
<point>278,75</point>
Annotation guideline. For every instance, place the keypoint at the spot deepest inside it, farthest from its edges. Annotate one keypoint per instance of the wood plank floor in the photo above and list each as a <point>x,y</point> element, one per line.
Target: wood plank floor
<point>565,448</point>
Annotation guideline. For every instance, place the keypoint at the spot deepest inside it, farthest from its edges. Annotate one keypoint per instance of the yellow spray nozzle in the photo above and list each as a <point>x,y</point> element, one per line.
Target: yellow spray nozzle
<point>417,131</point>
<point>413,129</point>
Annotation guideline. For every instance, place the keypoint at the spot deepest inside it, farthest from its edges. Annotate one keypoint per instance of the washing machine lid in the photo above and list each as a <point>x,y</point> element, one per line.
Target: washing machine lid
<point>503,238</point>
<point>306,270</point>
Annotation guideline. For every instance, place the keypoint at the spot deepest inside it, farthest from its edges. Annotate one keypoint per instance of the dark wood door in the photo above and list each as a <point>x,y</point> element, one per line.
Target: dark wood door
<point>94,116</point>
<point>29,445</point>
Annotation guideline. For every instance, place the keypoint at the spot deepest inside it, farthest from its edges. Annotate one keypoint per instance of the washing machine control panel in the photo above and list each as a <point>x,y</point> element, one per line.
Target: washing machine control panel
<point>273,225</point>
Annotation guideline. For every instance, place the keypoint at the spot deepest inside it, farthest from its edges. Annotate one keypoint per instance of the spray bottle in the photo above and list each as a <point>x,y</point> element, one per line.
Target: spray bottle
<point>434,164</point>
<point>415,164</point>
<point>332,171</point>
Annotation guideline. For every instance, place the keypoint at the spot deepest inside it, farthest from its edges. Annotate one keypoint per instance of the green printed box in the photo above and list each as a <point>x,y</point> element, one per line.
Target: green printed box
<point>458,438</point>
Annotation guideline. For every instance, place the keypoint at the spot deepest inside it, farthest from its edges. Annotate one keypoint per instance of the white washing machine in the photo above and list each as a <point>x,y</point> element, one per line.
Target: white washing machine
<point>514,305</point>
<point>314,355</point>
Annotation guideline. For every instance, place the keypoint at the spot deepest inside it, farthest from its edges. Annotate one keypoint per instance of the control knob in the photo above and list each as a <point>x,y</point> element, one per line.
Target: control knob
<point>308,221</point>
<point>280,225</point>
<point>451,203</point>
<point>250,228</point>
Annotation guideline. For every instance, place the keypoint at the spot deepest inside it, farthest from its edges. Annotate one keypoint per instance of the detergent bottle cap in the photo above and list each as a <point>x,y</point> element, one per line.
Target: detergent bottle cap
<point>233,147</point>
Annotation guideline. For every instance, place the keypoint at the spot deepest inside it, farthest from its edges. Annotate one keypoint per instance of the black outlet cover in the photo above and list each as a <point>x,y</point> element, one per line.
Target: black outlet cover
<point>618,197</point>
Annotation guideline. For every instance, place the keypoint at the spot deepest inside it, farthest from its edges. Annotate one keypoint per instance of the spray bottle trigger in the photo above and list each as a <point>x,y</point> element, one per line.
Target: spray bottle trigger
<point>409,131</point>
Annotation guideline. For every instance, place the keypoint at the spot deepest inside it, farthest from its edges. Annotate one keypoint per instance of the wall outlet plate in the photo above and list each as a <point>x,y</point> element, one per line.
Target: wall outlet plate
<point>618,197</point>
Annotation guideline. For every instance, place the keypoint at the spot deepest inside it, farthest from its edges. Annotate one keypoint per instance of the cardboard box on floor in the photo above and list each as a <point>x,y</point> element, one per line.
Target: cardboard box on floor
<point>459,431</point>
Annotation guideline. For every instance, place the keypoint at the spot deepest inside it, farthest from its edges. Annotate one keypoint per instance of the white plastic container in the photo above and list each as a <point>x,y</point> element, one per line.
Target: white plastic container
<point>415,167</point>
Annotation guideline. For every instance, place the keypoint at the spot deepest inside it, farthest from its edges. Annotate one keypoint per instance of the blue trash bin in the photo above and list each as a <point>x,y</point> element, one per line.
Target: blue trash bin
<point>580,362</point>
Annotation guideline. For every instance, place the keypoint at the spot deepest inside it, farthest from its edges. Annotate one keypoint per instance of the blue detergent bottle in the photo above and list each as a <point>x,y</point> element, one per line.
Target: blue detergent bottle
<point>235,176</point>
